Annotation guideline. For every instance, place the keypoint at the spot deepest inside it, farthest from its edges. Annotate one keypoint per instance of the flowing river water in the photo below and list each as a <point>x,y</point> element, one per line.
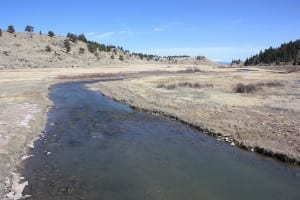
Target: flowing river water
<point>96,148</point>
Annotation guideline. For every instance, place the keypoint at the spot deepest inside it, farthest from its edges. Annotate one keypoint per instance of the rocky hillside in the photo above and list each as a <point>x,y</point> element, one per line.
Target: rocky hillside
<point>31,50</point>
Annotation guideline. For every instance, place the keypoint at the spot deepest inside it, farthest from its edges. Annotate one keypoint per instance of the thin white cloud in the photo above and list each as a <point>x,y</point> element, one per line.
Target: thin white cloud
<point>90,33</point>
<point>158,29</point>
<point>104,35</point>
<point>125,32</point>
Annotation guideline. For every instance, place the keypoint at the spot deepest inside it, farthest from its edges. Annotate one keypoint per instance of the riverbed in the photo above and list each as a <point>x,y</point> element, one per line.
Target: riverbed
<point>96,148</point>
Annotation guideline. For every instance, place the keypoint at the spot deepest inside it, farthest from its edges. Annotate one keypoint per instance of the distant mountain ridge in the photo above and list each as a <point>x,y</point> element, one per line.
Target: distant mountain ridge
<point>287,53</point>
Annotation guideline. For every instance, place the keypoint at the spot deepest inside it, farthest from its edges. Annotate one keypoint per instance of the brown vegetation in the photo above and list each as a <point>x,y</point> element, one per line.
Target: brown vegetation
<point>185,84</point>
<point>254,87</point>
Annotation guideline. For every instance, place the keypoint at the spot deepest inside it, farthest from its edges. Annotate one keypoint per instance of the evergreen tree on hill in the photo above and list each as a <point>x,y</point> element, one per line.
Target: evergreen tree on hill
<point>10,29</point>
<point>29,28</point>
<point>82,38</point>
<point>287,53</point>
<point>50,33</point>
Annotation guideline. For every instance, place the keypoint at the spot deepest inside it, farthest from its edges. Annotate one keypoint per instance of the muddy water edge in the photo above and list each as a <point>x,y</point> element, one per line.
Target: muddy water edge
<point>96,148</point>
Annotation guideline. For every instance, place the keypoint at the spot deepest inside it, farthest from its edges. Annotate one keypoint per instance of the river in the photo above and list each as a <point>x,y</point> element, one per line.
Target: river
<point>96,148</point>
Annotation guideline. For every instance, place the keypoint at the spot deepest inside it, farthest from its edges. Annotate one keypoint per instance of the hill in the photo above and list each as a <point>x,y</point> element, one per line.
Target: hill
<point>32,50</point>
<point>287,53</point>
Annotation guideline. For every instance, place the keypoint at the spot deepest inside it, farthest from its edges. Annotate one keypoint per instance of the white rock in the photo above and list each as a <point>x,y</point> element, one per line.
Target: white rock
<point>31,145</point>
<point>27,157</point>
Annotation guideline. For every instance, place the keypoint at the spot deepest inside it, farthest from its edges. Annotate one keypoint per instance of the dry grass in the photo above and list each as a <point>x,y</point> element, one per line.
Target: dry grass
<point>186,85</point>
<point>190,70</point>
<point>268,118</point>
<point>254,87</point>
<point>249,88</point>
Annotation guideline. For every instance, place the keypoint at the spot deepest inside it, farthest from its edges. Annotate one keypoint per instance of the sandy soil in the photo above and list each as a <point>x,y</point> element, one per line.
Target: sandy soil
<point>266,121</point>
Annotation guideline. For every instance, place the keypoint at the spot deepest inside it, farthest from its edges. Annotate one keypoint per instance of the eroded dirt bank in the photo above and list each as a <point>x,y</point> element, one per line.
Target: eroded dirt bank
<point>23,115</point>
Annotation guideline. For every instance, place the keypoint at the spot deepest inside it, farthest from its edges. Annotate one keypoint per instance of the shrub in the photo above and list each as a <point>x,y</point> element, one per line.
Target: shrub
<point>81,50</point>
<point>171,86</point>
<point>294,69</point>
<point>121,58</point>
<point>10,29</point>
<point>160,86</point>
<point>249,88</point>
<point>190,70</point>
<point>0,32</point>
<point>92,47</point>
<point>273,84</point>
<point>67,45</point>
<point>112,57</point>
<point>185,84</point>
<point>48,48</point>
<point>51,34</point>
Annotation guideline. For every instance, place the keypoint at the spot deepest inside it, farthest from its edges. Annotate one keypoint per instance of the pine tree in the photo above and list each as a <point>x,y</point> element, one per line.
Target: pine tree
<point>72,37</point>
<point>82,38</point>
<point>286,53</point>
<point>10,29</point>
<point>50,33</point>
<point>29,28</point>
<point>48,48</point>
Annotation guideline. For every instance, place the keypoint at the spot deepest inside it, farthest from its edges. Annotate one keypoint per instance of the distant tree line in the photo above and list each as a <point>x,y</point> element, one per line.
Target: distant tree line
<point>236,62</point>
<point>145,56</point>
<point>74,38</point>
<point>94,46</point>
<point>287,53</point>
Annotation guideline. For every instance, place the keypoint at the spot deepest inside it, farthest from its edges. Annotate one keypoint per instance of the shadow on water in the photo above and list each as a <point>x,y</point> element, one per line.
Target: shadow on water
<point>95,148</point>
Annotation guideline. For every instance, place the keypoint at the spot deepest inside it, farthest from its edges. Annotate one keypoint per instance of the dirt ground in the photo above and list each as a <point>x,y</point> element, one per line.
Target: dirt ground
<point>266,121</point>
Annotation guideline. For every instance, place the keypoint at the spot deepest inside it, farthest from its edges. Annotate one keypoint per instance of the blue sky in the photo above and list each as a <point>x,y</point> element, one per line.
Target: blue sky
<point>219,30</point>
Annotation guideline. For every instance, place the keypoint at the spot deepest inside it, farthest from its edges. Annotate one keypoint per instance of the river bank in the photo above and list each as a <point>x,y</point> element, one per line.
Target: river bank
<point>23,116</point>
<point>265,121</point>
<point>24,105</point>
